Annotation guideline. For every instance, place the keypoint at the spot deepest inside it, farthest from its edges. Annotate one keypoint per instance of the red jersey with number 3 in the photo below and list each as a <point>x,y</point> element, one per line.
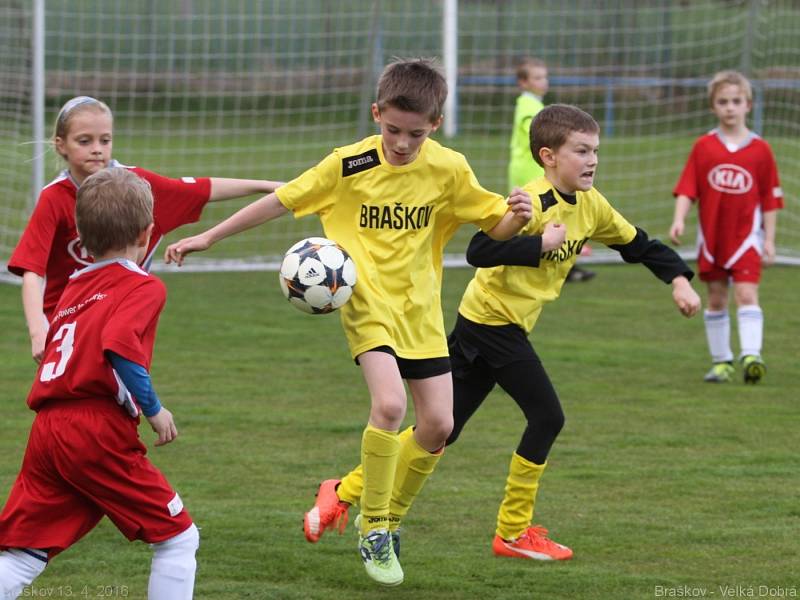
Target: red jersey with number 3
<point>112,305</point>
<point>733,188</point>
<point>50,247</point>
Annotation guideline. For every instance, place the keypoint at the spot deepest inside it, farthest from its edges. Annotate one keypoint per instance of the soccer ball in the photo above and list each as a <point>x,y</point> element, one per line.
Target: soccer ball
<point>317,275</point>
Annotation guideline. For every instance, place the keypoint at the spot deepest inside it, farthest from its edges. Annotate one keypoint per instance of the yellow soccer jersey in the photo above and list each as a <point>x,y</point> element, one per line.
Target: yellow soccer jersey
<point>394,221</point>
<point>515,294</point>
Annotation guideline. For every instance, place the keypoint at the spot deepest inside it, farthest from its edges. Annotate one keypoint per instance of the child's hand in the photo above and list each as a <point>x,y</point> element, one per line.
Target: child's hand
<point>38,338</point>
<point>684,296</point>
<point>177,252</point>
<point>676,231</point>
<point>553,236</point>
<point>769,253</point>
<point>164,426</point>
<point>520,203</point>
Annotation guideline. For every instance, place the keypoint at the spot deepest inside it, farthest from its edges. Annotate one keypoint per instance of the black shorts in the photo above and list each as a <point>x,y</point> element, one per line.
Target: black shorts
<point>420,368</point>
<point>497,345</point>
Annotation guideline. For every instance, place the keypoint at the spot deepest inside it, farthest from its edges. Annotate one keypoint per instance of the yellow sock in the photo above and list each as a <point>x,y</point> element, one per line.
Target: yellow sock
<point>379,451</point>
<point>516,509</point>
<point>414,465</point>
<point>352,484</point>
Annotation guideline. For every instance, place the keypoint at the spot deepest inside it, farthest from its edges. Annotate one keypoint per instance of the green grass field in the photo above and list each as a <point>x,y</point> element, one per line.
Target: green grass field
<point>657,479</point>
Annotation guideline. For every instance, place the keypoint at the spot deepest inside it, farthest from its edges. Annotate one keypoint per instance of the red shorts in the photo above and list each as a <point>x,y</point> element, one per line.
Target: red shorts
<point>84,459</point>
<point>745,270</point>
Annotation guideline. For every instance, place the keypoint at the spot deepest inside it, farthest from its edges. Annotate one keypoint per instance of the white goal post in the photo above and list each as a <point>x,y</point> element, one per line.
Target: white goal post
<point>265,88</point>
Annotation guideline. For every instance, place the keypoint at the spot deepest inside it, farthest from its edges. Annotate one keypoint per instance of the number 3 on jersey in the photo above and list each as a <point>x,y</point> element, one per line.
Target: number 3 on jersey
<point>51,370</point>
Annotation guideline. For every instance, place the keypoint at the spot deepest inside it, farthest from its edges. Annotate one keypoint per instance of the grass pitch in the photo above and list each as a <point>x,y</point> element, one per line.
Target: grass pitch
<point>659,482</point>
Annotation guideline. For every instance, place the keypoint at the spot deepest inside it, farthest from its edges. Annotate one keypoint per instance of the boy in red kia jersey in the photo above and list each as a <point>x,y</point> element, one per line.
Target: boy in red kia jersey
<point>732,176</point>
<point>84,458</point>
<point>49,250</point>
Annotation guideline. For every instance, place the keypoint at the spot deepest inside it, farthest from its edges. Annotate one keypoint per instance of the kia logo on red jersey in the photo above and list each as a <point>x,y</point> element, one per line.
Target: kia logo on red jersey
<point>78,252</point>
<point>730,179</point>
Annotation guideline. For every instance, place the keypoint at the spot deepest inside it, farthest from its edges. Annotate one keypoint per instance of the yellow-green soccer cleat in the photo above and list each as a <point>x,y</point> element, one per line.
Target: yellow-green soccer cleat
<point>753,368</point>
<point>721,372</point>
<point>394,533</point>
<point>380,561</point>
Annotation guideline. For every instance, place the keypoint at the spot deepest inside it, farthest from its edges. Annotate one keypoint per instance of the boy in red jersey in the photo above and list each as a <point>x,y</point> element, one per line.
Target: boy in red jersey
<point>49,250</point>
<point>732,175</point>
<point>84,458</point>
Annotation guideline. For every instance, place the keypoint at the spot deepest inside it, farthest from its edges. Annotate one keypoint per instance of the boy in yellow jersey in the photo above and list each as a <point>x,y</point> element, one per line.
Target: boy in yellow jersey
<point>489,344</point>
<point>533,83</point>
<point>392,201</point>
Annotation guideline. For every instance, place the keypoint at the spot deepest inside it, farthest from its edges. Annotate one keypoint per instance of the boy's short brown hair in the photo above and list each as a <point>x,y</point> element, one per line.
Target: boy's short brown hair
<point>413,85</point>
<point>526,65</point>
<point>552,125</point>
<point>113,207</point>
<point>729,78</point>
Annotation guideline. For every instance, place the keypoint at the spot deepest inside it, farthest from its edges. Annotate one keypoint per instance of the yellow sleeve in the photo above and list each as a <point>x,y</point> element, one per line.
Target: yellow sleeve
<point>312,192</point>
<point>612,227</point>
<point>474,203</point>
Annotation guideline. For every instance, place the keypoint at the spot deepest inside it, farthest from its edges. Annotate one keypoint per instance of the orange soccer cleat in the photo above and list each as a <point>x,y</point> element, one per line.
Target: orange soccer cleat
<point>532,544</point>
<point>328,513</point>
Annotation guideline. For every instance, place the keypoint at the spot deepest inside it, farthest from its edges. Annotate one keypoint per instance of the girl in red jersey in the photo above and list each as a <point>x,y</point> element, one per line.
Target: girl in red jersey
<point>49,249</point>
<point>732,175</point>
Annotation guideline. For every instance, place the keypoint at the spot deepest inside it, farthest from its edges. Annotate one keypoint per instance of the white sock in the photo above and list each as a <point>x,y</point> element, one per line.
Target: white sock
<point>751,328</point>
<point>718,334</point>
<point>19,568</point>
<point>173,567</point>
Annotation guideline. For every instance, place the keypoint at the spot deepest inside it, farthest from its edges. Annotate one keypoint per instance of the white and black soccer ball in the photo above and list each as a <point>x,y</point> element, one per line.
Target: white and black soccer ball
<point>317,275</point>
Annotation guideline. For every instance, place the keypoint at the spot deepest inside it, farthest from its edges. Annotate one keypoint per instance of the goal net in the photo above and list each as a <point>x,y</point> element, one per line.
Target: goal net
<point>266,88</point>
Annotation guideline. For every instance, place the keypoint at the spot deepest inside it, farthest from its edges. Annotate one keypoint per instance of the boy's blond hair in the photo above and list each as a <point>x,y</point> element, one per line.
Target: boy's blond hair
<point>553,124</point>
<point>413,85</point>
<point>526,65</point>
<point>73,107</point>
<point>729,78</point>
<point>114,206</point>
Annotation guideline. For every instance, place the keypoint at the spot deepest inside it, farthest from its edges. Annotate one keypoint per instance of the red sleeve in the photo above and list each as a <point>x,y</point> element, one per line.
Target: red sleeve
<point>771,196</point>
<point>131,329</point>
<point>687,184</point>
<point>33,250</point>
<point>176,202</point>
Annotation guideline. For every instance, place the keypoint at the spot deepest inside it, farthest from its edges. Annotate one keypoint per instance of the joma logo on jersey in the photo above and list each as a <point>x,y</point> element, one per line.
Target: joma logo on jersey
<point>395,217</point>
<point>357,162</point>
<point>360,162</point>
<point>731,179</point>
<point>567,250</point>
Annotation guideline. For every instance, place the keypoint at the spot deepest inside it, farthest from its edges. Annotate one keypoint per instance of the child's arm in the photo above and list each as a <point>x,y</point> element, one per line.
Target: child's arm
<point>225,189</point>
<point>682,206</point>
<point>262,210</point>
<point>137,381</point>
<point>665,264</point>
<point>770,226</point>
<point>33,307</point>
<point>516,218</point>
<point>521,250</point>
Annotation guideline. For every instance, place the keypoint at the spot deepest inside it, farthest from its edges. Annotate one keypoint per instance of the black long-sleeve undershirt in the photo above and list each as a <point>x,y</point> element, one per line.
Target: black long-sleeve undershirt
<point>526,250</point>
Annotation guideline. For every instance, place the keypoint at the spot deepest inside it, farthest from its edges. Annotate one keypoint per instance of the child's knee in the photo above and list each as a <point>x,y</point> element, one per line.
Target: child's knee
<point>176,556</point>
<point>388,412</point>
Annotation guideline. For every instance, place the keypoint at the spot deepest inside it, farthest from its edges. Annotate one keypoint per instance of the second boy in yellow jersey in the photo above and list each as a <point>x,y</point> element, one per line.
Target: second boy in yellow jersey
<point>392,200</point>
<point>489,344</point>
